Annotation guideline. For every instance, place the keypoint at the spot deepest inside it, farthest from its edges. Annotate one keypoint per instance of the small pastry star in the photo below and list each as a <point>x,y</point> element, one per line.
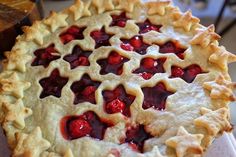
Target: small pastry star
<point>80,9</point>
<point>186,21</point>
<point>13,85</point>
<point>157,7</point>
<point>127,5</point>
<point>103,5</point>
<point>36,32</point>
<point>205,37</point>
<point>30,145</point>
<point>220,88</point>
<point>56,21</point>
<point>214,121</point>
<point>16,113</point>
<point>16,60</point>
<point>185,142</point>
<point>221,57</point>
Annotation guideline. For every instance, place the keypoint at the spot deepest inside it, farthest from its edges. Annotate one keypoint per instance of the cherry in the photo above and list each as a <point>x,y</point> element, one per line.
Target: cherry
<point>101,38</point>
<point>119,20</point>
<point>113,64</point>
<point>126,47</point>
<point>148,26</point>
<point>79,128</point>
<point>171,47</point>
<point>136,137</point>
<point>136,42</point>
<point>53,84</point>
<point>45,56</point>
<point>188,74</point>
<point>117,100</point>
<point>84,90</point>
<point>115,106</point>
<point>155,97</point>
<point>150,67</point>
<point>72,33</point>
<point>177,71</point>
<point>87,124</point>
<point>79,57</point>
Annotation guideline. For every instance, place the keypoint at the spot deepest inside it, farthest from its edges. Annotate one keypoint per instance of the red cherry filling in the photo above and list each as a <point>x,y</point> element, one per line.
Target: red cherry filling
<point>84,90</point>
<point>117,100</point>
<point>53,84</point>
<point>135,44</point>
<point>171,47</point>
<point>150,66</point>
<point>113,64</point>
<point>148,26</point>
<point>101,38</point>
<point>72,33</point>
<point>156,96</point>
<point>119,20</point>
<point>136,137</point>
<point>78,57</point>
<point>188,74</point>
<point>87,124</point>
<point>45,56</point>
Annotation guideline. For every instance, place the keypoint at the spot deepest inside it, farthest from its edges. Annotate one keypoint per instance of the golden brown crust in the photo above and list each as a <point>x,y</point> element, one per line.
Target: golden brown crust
<point>157,7</point>
<point>55,21</point>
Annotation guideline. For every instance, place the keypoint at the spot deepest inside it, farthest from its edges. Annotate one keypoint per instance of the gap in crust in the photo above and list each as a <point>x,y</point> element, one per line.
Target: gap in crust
<point>127,88</point>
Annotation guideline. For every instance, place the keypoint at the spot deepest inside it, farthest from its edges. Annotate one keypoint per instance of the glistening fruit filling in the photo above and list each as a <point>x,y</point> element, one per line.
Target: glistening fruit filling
<point>53,84</point>
<point>117,101</point>
<point>155,97</point>
<point>72,33</point>
<point>147,26</point>
<point>113,64</point>
<point>101,38</point>
<point>172,47</point>
<point>134,44</point>
<point>78,57</point>
<point>188,74</point>
<point>87,124</point>
<point>45,56</point>
<point>136,137</point>
<point>150,66</point>
<point>119,20</point>
<point>84,90</point>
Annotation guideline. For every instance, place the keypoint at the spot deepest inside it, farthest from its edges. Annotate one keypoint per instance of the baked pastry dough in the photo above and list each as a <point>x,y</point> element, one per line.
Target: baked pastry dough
<point>116,78</point>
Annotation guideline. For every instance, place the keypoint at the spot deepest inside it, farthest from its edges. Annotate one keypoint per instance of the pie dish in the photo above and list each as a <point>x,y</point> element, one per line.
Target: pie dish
<point>116,78</point>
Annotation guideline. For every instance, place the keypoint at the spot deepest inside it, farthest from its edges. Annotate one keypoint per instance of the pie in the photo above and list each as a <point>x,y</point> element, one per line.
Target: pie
<point>116,78</point>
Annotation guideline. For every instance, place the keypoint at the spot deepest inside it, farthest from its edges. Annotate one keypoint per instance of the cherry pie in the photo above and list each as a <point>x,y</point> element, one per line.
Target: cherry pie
<point>116,78</point>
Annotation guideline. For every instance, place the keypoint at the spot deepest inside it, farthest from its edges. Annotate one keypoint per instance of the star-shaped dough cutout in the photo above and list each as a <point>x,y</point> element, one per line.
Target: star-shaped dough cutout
<point>30,145</point>
<point>13,86</point>
<point>80,9</point>
<point>205,37</point>
<point>103,5</point>
<point>185,21</point>
<point>185,142</point>
<point>220,88</point>
<point>56,21</point>
<point>214,121</point>
<point>16,113</point>
<point>221,57</point>
<point>127,5</point>
<point>35,33</point>
<point>157,7</point>
<point>16,60</point>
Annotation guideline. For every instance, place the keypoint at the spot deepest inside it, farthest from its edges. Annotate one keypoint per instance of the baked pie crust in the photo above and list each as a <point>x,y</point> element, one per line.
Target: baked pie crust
<point>113,78</point>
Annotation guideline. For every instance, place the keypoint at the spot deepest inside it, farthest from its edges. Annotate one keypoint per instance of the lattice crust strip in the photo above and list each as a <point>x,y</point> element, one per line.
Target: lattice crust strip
<point>116,43</point>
